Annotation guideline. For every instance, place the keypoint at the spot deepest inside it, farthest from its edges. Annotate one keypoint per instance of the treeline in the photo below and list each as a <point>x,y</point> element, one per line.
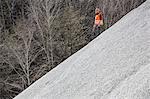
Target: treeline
<point>37,35</point>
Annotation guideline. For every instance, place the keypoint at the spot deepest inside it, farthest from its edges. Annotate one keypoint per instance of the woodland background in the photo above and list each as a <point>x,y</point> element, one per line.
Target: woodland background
<point>37,35</point>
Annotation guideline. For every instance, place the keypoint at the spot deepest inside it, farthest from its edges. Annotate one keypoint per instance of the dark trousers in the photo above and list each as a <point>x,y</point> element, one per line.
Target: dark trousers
<point>97,31</point>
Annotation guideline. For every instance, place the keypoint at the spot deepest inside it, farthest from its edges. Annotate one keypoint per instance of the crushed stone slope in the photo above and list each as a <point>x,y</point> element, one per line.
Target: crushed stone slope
<point>115,65</point>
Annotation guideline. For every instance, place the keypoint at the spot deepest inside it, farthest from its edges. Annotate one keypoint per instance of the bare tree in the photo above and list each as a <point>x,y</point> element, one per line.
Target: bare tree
<point>36,35</point>
<point>44,13</point>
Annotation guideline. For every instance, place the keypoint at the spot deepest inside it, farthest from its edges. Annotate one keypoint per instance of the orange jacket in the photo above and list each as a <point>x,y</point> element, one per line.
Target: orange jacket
<point>98,17</point>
